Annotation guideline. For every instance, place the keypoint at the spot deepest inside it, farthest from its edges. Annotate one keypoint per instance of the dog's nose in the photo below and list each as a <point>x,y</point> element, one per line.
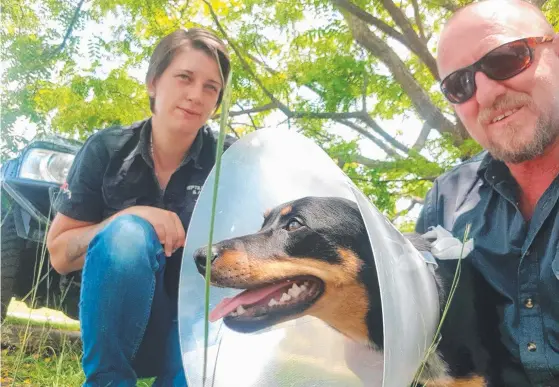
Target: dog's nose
<point>200,257</point>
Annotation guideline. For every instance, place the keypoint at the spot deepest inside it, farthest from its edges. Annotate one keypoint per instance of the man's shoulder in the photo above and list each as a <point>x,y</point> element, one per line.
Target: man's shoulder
<point>451,191</point>
<point>464,173</point>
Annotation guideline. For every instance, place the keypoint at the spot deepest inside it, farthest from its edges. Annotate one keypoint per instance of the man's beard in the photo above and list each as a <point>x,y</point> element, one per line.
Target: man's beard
<point>514,149</point>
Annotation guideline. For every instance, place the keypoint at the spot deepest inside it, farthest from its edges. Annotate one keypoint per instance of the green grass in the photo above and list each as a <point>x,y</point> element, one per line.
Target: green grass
<point>42,368</point>
<point>31,359</point>
<point>67,326</point>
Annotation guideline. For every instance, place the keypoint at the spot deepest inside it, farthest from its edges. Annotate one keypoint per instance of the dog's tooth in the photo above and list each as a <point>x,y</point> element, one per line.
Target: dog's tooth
<point>272,302</point>
<point>294,291</point>
<point>303,288</point>
<point>240,310</point>
<point>306,283</point>
<point>285,297</point>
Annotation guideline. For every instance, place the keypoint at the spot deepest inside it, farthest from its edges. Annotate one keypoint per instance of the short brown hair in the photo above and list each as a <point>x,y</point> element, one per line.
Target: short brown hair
<point>197,38</point>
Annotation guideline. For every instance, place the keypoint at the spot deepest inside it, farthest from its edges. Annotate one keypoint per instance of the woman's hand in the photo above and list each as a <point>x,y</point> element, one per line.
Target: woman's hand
<point>167,225</point>
<point>68,239</point>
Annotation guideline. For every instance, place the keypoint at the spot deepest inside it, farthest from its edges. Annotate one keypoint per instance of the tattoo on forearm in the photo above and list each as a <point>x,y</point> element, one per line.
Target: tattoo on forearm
<point>76,248</point>
<point>78,245</point>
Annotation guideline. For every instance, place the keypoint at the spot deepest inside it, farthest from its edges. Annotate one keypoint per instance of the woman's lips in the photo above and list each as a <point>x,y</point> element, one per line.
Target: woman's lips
<point>189,113</point>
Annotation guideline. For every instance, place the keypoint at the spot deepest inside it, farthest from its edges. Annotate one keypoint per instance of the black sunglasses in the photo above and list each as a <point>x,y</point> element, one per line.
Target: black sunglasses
<point>501,63</point>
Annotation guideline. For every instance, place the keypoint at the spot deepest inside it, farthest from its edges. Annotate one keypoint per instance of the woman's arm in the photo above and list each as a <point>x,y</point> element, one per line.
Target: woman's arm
<point>68,238</point>
<point>67,242</point>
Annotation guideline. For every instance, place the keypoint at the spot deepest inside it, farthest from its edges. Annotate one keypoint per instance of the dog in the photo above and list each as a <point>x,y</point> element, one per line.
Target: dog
<point>312,256</point>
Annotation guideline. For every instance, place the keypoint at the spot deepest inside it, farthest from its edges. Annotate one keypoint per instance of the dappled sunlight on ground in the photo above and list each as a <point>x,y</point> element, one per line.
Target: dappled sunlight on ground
<point>18,309</point>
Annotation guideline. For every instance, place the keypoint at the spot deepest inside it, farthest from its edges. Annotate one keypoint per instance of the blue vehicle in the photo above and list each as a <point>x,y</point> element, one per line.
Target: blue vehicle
<point>30,183</point>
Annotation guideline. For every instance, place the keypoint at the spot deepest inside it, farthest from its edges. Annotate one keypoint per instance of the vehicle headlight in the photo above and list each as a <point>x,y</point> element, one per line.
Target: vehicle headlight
<point>46,165</point>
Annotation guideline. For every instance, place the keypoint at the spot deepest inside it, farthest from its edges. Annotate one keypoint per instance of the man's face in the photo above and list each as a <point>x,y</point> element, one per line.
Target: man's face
<point>514,119</point>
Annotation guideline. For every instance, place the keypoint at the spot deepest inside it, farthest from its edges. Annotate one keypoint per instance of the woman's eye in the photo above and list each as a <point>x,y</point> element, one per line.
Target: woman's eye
<point>293,225</point>
<point>184,76</point>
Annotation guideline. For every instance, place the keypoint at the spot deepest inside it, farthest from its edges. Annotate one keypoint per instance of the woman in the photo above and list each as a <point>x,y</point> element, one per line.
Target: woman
<point>129,198</point>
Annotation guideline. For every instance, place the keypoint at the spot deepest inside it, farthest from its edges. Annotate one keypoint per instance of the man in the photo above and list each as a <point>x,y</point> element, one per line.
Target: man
<point>499,65</point>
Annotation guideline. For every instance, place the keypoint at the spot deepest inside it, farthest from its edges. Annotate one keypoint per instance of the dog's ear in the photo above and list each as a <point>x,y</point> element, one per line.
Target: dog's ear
<point>267,212</point>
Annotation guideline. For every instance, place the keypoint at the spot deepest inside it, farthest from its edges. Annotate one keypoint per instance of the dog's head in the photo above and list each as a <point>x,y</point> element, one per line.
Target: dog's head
<point>311,256</point>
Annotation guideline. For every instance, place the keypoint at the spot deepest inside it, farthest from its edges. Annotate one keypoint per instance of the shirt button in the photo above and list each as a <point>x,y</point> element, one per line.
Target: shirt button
<point>532,347</point>
<point>529,303</point>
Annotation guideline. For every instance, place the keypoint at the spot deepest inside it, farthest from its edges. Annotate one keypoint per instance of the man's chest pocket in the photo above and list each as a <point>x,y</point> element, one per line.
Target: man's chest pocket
<point>555,265</point>
<point>551,311</point>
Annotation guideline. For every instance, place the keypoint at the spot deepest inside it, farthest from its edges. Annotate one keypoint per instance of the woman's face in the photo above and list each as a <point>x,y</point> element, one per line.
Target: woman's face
<point>186,93</point>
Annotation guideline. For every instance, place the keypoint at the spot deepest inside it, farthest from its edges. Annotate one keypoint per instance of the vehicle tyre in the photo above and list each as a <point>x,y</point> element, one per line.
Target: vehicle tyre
<point>11,250</point>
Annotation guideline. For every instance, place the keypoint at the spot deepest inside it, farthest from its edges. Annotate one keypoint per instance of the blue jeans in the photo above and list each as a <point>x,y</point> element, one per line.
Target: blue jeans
<point>128,321</point>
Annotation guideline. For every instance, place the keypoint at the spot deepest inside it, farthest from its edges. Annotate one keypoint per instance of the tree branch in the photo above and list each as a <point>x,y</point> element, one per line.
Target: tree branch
<point>275,72</point>
<point>409,38</point>
<point>405,210</point>
<point>367,162</point>
<point>250,117</point>
<point>365,117</point>
<point>376,141</point>
<point>422,138</point>
<point>324,115</point>
<point>234,131</point>
<point>262,63</point>
<point>418,21</point>
<point>258,109</point>
<point>415,43</point>
<point>244,63</point>
<point>364,92</point>
<point>370,19</point>
<point>69,29</point>
<point>376,127</point>
<point>421,101</point>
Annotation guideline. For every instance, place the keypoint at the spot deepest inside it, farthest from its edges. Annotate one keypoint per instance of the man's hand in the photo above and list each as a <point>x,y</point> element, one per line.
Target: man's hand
<point>167,225</point>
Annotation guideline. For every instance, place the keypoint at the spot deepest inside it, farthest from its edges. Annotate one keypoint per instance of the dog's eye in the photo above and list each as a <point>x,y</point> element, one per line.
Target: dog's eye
<point>293,225</point>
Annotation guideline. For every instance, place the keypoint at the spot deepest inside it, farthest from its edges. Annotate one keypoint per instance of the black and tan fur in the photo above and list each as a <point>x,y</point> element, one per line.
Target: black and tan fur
<point>325,238</point>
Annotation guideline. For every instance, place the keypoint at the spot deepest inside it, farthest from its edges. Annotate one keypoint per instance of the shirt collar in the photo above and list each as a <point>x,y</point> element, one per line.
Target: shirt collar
<point>494,171</point>
<point>143,147</point>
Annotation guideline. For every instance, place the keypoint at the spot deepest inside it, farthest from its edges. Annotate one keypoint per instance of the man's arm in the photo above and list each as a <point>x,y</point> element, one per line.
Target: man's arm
<point>428,214</point>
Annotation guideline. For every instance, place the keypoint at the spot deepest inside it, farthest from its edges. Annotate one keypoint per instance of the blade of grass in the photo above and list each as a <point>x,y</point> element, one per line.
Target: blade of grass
<point>219,151</point>
<point>437,338</point>
<point>37,268</point>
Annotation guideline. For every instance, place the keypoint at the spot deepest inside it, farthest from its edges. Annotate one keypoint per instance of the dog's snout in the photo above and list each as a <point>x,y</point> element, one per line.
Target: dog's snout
<point>200,256</point>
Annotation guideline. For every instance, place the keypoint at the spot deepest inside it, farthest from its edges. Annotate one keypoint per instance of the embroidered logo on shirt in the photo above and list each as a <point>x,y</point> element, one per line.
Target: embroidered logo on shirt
<point>195,189</point>
<point>65,190</point>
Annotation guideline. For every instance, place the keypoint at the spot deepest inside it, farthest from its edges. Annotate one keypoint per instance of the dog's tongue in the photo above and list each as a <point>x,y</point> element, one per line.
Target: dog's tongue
<point>248,297</point>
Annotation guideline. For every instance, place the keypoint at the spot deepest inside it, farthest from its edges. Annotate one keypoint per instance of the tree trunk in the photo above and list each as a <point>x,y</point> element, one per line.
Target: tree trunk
<point>421,101</point>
